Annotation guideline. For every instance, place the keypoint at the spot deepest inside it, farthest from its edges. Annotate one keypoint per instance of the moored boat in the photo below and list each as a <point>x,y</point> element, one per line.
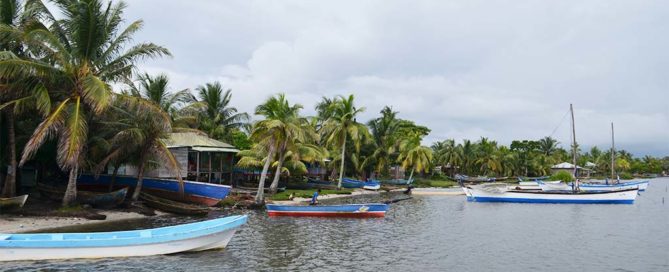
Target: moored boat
<point>350,210</point>
<point>197,236</point>
<point>12,202</point>
<point>396,181</point>
<point>95,199</point>
<point>173,206</point>
<point>208,194</point>
<point>372,185</point>
<point>476,194</point>
<point>641,185</point>
<point>353,183</point>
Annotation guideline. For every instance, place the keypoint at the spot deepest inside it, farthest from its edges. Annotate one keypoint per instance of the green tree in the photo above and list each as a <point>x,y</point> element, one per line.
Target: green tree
<point>156,90</point>
<point>79,56</point>
<point>343,125</point>
<point>214,113</point>
<point>414,155</point>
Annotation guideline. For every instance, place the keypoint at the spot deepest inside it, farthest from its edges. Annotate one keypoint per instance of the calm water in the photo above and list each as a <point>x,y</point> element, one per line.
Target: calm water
<point>432,233</point>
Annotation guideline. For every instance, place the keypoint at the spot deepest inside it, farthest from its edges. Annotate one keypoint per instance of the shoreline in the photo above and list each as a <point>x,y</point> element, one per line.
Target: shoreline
<point>21,224</point>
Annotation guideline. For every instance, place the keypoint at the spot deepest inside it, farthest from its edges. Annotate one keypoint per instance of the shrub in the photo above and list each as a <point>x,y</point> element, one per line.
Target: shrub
<point>625,175</point>
<point>563,176</point>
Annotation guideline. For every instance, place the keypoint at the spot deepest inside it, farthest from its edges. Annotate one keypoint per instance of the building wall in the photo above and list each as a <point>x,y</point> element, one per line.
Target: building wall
<point>181,156</point>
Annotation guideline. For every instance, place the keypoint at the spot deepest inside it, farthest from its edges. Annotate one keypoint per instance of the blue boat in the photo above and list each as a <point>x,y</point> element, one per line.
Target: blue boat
<point>641,185</point>
<point>198,236</point>
<point>208,194</point>
<point>350,210</point>
<point>352,183</point>
<point>397,181</point>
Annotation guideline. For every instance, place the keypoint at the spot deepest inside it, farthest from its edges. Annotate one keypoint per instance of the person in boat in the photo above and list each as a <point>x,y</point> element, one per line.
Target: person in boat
<point>314,199</point>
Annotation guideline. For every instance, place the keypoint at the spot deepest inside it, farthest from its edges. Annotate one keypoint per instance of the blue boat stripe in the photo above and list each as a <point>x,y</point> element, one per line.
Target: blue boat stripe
<point>558,201</point>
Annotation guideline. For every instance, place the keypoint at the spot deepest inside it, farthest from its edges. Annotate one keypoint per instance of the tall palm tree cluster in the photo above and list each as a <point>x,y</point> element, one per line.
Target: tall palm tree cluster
<point>285,140</point>
<point>56,98</point>
<point>531,158</point>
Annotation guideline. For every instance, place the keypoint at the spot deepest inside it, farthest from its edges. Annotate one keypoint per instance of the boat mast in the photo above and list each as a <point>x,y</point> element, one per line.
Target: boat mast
<point>573,146</point>
<point>613,154</point>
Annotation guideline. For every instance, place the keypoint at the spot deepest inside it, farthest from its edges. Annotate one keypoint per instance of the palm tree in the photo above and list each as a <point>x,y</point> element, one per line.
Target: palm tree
<point>342,125</point>
<point>214,114</point>
<point>156,90</point>
<point>16,19</point>
<point>142,128</point>
<point>447,153</point>
<point>414,155</point>
<point>273,133</point>
<point>548,145</point>
<point>79,56</point>
<point>383,131</point>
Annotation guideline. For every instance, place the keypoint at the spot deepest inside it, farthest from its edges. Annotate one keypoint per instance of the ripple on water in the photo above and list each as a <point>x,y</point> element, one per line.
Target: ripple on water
<point>430,233</point>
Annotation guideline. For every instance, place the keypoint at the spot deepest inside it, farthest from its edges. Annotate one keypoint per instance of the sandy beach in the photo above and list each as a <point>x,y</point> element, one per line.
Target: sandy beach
<point>19,224</point>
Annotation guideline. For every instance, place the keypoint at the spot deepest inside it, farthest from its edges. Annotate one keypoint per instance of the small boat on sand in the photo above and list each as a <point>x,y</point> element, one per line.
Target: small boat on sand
<point>93,198</point>
<point>208,194</point>
<point>12,202</point>
<point>354,183</point>
<point>199,236</point>
<point>350,210</point>
<point>173,206</point>
<point>396,181</point>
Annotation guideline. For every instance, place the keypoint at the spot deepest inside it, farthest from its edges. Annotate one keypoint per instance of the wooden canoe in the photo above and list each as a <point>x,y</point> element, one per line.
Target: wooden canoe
<point>349,210</point>
<point>12,202</point>
<point>173,206</point>
<point>95,199</point>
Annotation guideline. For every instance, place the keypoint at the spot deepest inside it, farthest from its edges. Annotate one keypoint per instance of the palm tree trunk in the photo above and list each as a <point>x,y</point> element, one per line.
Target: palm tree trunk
<point>411,175</point>
<point>341,168</point>
<point>71,191</point>
<point>138,187</point>
<point>140,177</point>
<point>9,190</point>
<point>113,177</point>
<point>277,175</point>
<point>260,196</point>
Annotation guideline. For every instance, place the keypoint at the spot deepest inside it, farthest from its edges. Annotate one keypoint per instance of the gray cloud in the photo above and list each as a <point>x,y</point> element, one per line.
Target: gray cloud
<point>500,69</point>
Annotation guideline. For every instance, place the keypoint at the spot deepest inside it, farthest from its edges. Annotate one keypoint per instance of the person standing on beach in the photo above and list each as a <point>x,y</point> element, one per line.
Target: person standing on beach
<point>314,199</point>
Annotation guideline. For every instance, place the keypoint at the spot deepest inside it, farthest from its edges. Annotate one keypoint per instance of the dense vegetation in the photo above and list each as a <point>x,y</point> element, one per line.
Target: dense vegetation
<point>73,100</point>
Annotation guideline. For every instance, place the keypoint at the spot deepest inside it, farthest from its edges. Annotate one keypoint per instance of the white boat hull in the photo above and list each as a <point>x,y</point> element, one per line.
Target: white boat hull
<point>215,240</point>
<point>615,197</point>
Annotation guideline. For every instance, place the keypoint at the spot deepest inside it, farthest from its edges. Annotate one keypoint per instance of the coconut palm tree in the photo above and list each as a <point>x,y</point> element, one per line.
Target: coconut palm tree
<point>17,94</point>
<point>156,90</point>
<point>414,155</point>
<point>141,128</point>
<point>274,133</point>
<point>77,58</point>
<point>342,126</point>
<point>214,114</point>
<point>384,133</point>
<point>548,145</point>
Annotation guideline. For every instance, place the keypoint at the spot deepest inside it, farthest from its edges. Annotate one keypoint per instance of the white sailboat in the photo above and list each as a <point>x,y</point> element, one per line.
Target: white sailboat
<point>573,195</point>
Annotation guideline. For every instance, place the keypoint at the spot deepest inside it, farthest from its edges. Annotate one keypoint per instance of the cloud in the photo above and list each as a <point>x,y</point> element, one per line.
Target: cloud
<point>466,69</point>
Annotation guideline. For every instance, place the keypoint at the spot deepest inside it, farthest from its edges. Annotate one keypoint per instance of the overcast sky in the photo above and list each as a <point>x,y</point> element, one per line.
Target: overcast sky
<point>500,69</point>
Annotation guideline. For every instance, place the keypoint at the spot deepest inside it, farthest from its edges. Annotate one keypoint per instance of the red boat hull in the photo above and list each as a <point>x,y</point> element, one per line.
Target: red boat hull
<point>328,214</point>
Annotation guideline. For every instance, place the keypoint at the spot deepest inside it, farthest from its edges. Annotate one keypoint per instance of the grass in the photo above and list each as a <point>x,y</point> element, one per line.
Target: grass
<point>422,183</point>
<point>308,193</point>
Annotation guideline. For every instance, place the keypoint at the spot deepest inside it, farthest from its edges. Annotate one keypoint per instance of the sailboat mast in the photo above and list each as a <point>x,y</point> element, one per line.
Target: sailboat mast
<point>613,154</point>
<point>573,147</point>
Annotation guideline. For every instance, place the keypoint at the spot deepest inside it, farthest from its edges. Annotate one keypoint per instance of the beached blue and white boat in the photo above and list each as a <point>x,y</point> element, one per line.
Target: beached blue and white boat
<point>208,194</point>
<point>502,194</point>
<point>396,181</point>
<point>205,235</point>
<point>350,210</point>
<point>353,183</point>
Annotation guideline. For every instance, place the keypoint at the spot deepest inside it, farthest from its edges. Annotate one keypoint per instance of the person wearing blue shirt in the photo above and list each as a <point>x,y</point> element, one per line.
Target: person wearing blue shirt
<point>314,199</point>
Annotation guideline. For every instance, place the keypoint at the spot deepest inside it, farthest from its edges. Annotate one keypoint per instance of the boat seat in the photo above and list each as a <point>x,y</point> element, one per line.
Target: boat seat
<point>4,237</point>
